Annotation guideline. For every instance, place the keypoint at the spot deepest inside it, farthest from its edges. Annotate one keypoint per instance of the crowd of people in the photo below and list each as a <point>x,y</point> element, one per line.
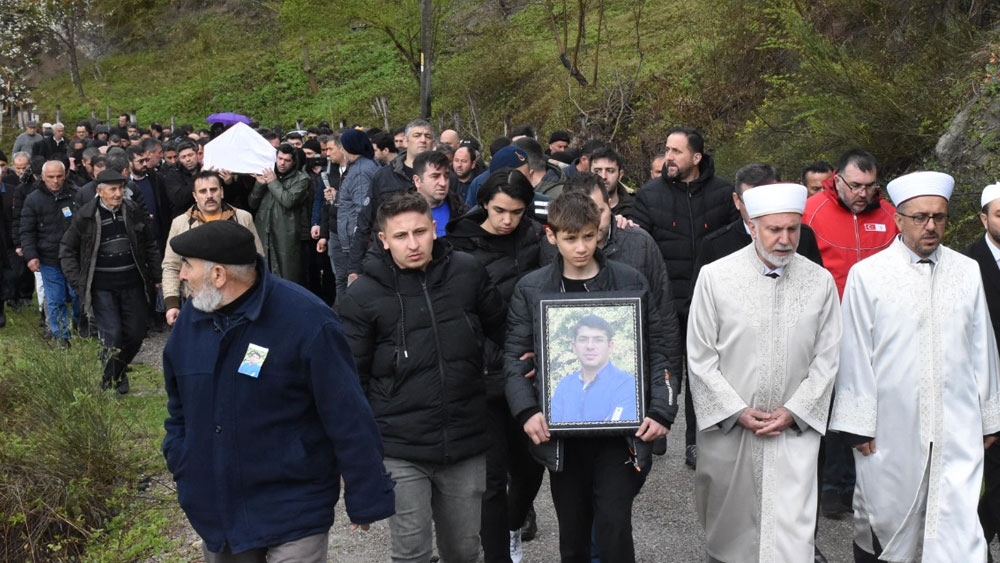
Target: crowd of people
<point>368,311</point>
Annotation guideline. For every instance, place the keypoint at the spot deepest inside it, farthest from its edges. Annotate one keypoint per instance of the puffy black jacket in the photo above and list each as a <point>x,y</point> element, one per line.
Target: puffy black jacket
<point>44,219</point>
<point>506,259</point>
<point>78,248</point>
<point>27,185</point>
<point>524,397</point>
<point>679,215</point>
<point>417,339</point>
<point>178,182</point>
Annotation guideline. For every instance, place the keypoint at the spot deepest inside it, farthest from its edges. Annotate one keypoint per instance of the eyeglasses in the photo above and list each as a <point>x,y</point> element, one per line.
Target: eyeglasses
<point>922,218</point>
<point>856,187</point>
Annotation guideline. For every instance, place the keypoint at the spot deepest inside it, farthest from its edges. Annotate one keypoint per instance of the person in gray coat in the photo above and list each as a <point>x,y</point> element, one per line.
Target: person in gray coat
<point>355,189</point>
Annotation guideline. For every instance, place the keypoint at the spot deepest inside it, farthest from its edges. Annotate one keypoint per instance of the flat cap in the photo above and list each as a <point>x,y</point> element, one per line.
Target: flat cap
<point>222,242</point>
<point>109,177</point>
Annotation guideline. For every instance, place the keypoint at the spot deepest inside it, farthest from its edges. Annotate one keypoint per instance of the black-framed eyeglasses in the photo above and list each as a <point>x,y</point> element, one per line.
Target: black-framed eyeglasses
<point>856,187</point>
<point>921,219</point>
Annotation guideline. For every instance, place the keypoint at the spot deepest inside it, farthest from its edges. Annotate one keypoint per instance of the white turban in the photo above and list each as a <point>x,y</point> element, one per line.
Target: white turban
<point>990,193</point>
<point>775,198</point>
<point>918,184</point>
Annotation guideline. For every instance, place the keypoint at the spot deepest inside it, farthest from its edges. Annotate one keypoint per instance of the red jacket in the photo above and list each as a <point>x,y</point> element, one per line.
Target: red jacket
<point>844,238</point>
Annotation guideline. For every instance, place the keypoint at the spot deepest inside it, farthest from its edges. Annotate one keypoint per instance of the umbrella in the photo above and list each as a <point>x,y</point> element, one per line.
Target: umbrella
<point>227,118</point>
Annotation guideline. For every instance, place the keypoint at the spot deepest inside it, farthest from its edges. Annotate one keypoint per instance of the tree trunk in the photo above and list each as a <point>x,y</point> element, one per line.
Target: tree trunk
<point>306,65</point>
<point>74,69</point>
<point>427,55</point>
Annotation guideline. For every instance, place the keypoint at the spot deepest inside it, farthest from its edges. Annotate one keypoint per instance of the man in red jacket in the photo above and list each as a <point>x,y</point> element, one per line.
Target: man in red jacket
<point>852,222</point>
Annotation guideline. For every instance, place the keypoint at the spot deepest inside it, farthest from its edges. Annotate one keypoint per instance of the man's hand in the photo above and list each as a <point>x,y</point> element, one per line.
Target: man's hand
<point>536,429</point>
<point>621,222</point>
<point>866,449</point>
<point>989,441</point>
<point>651,430</point>
<point>227,176</point>
<point>329,194</point>
<point>362,527</point>
<point>19,251</point>
<point>753,419</point>
<point>33,264</point>
<point>172,315</point>
<point>528,356</point>
<point>265,176</point>
<point>321,245</point>
<point>314,232</point>
<point>351,278</point>
<point>776,422</point>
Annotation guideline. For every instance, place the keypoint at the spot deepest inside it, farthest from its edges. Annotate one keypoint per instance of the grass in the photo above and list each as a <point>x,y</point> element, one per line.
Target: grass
<point>82,476</point>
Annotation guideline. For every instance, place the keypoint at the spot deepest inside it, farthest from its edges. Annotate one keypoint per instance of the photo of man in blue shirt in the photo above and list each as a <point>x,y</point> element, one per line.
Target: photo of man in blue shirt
<point>598,391</point>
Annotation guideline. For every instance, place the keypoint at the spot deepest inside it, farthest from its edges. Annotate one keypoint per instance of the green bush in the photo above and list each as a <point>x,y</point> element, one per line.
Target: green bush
<point>67,458</point>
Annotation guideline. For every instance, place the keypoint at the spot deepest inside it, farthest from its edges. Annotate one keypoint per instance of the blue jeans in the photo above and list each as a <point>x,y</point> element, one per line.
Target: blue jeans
<point>450,495</point>
<point>59,295</point>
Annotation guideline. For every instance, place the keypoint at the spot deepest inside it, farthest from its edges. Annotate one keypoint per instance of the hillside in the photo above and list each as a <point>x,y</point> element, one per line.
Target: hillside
<point>776,80</point>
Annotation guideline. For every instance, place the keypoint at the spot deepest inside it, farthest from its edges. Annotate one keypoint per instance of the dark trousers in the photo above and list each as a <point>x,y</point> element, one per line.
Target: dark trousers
<point>862,556</point>
<point>989,504</point>
<point>595,491</point>
<point>838,467</point>
<point>512,481</point>
<point>691,423</point>
<point>120,317</point>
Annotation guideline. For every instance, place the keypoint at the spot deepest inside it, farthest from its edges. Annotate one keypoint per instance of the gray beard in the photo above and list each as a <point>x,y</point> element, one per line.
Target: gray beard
<point>774,259</point>
<point>209,299</point>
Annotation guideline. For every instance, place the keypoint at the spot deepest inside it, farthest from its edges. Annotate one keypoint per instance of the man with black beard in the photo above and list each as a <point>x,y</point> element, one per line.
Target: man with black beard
<point>679,209</point>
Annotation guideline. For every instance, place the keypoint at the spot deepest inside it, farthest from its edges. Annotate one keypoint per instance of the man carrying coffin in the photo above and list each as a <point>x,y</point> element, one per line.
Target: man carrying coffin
<point>917,392</point>
<point>763,346</point>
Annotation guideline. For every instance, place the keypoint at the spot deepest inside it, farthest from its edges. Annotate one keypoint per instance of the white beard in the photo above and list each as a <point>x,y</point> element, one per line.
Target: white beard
<point>774,259</point>
<point>208,299</point>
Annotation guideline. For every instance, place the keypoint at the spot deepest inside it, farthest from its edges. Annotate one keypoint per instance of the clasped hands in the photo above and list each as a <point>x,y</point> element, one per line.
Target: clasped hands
<point>765,423</point>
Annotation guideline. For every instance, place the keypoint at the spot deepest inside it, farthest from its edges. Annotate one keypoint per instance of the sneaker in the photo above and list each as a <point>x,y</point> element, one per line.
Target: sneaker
<point>691,456</point>
<point>530,526</point>
<point>516,547</point>
<point>122,387</point>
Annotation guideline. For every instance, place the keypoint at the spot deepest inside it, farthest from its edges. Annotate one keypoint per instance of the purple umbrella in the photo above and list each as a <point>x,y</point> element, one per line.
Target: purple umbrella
<point>227,118</point>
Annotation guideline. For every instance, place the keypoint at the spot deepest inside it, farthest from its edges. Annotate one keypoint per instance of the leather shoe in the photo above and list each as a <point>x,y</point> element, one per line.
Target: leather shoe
<point>818,556</point>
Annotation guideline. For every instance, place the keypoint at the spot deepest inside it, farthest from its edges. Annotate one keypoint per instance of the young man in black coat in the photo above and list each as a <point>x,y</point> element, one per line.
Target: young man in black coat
<point>986,251</point>
<point>594,479</point>
<point>415,321</point>
<point>507,242</point>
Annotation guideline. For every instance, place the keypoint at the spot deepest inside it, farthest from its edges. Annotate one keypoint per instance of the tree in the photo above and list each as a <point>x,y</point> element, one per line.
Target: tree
<point>19,50</point>
<point>68,21</point>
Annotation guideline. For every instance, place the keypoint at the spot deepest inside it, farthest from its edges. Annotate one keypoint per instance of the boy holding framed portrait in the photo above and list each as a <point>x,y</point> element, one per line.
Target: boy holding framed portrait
<point>602,392</point>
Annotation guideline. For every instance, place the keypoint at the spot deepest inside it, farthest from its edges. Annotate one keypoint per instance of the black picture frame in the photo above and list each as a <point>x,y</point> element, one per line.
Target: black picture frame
<point>570,345</point>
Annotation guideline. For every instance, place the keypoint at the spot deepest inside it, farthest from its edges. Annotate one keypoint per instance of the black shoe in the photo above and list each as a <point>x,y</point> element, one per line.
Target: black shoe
<point>691,456</point>
<point>122,387</point>
<point>105,383</point>
<point>818,556</point>
<point>831,505</point>
<point>530,527</point>
<point>16,305</point>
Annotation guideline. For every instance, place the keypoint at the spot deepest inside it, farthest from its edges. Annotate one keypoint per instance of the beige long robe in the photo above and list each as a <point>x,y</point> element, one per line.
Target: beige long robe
<point>759,342</point>
<point>918,372</point>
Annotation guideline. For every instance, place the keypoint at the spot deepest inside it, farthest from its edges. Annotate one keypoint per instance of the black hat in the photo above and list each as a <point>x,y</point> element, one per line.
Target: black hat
<point>102,129</point>
<point>109,176</point>
<point>222,242</point>
<point>560,136</point>
<point>313,145</point>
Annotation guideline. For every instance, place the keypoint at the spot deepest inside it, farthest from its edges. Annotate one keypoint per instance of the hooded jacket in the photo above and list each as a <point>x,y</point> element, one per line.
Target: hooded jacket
<point>525,397</point>
<point>679,215</point>
<point>845,238</point>
<point>506,259</point>
<point>283,208</point>
<point>417,338</point>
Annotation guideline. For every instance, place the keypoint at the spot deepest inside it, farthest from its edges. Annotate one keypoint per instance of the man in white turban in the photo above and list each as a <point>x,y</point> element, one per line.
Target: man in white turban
<point>917,391</point>
<point>763,346</point>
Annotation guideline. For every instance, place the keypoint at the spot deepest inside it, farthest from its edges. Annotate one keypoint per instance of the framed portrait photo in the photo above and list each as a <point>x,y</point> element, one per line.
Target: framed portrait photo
<point>590,364</point>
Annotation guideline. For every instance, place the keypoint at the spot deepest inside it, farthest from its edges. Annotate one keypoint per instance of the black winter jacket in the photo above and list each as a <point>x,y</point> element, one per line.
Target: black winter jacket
<point>78,248</point>
<point>27,185</point>
<point>417,339</point>
<point>44,219</point>
<point>524,397</point>
<point>679,215</point>
<point>178,182</point>
<point>506,259</point>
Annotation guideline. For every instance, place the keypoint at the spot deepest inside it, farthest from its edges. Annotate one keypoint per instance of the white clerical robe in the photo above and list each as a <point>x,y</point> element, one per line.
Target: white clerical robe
<point>918,372</point>
<point>759,342</point>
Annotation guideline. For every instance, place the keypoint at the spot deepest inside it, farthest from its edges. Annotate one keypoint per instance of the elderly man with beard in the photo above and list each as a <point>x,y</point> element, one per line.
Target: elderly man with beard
<point>208,207</point>
<point>282,200</point>
<point>258,453</point>
<point>763,348</point>
<point>110,256</point>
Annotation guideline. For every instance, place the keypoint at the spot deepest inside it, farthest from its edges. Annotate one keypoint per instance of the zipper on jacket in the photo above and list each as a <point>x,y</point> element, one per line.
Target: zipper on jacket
<point>131,249</point>
<point>440,361</point>
<point>694,245</point>
<point>857,235</point>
